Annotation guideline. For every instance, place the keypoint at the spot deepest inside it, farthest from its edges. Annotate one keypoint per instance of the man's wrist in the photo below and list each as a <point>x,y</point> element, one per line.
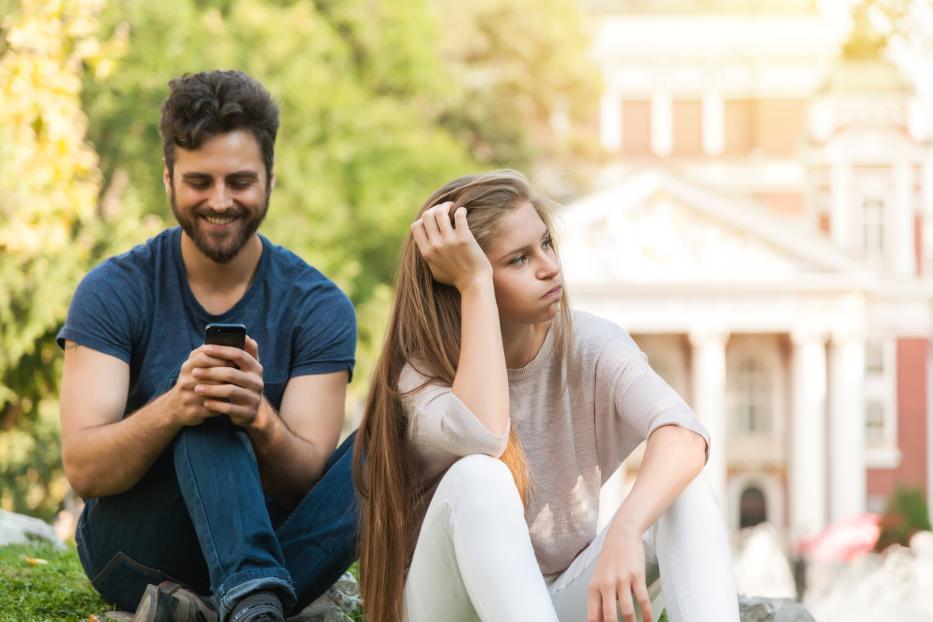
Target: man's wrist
<point>263,429</point>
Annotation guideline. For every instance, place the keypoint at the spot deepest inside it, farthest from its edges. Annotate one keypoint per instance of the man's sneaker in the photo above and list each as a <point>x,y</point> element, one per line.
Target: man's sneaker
<point>262,606</point>
<point>170,602</point>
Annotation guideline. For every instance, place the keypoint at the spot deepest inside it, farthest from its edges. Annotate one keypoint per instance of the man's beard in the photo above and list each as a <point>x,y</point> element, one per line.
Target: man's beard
<point>219,253</point>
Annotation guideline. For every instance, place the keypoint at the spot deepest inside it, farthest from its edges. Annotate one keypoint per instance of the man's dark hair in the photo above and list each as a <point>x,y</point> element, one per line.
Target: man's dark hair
<point>202,105</point>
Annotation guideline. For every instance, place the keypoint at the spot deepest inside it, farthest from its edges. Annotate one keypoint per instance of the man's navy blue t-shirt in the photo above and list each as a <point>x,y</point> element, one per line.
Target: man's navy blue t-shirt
<point>139,307</point>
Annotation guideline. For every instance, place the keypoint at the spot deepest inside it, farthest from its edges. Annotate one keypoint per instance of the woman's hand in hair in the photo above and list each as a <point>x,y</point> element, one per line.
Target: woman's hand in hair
<point>451,251</point>
<point>619,575</point>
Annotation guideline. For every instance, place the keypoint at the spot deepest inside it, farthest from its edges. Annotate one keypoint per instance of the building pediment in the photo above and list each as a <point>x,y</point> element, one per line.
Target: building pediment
<point>655,227</point>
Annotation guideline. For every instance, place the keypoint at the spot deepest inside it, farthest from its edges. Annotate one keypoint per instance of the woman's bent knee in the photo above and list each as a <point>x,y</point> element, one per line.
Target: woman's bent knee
<point>479,478</point>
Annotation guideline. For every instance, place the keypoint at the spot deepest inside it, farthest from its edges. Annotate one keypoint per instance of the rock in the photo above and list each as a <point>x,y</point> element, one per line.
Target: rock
<point>755,609</point>
<point>761,568</point>
<point>338,604</point>
<point>20,529</point>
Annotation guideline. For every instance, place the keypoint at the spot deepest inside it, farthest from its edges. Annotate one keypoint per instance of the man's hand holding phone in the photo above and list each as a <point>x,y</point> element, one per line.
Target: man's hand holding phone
<point>219,378</point>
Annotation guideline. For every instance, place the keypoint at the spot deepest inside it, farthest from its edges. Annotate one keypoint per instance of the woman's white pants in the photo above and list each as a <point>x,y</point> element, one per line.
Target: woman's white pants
<point>474,559</point>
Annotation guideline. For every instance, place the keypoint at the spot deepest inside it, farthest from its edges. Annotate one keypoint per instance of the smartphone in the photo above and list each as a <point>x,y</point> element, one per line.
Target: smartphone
<point>226,335</point>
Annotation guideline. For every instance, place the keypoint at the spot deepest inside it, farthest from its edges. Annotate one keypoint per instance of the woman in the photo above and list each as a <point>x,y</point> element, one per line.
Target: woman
<point>495,414</point>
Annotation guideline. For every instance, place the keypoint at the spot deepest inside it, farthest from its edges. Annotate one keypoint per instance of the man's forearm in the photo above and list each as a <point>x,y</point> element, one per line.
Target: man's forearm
<point>288,464</point>
<point>111,458</point>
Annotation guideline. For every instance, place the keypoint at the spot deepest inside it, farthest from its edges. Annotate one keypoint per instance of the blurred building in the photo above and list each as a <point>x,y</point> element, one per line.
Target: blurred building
<point>765,232</point>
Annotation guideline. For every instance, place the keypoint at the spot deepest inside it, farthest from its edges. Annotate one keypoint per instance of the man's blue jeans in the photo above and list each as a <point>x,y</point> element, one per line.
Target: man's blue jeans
<point>199,517</point>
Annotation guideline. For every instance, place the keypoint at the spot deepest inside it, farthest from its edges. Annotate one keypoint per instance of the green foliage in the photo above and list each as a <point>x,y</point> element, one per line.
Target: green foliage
<point>30,465</point>
<point>53,228</point>
<point>51,592</point>
<point>358,148</point>
<point>380,104</point>
<point>905,515</point>
<point>48,184</point>
<point>519,65</point>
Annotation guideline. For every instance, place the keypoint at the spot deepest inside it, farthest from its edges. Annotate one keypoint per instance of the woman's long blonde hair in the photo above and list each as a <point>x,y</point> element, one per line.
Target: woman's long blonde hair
<point>424,329</point>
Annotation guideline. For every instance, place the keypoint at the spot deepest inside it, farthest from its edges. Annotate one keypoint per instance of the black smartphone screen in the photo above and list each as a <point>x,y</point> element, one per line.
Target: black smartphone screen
<point>226,335</point>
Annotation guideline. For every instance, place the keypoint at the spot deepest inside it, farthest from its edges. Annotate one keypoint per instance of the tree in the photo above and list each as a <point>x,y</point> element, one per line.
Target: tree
<point>50,226</point>
<point>525,89</point>
<point>379,106</point>
<point>359,147</point>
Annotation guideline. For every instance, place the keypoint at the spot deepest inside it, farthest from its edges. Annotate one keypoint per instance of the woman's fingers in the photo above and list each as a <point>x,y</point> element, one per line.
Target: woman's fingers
<point>644,602</point>
<point>461,228</point>
<point>430,224</point>
<point>593,604</point>
<point>609,606</point>
<point>420,235</point>
<point>444,226</point>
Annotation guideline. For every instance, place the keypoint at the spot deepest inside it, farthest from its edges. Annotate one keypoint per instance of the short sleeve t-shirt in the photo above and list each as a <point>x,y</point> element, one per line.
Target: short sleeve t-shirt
<point>139,308</point>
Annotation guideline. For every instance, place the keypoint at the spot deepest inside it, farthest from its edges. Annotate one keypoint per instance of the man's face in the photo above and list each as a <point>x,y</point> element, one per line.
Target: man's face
<point>220,193</point>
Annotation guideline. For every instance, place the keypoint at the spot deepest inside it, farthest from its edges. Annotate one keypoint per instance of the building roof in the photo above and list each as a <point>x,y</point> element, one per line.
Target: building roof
<point>656,226</point>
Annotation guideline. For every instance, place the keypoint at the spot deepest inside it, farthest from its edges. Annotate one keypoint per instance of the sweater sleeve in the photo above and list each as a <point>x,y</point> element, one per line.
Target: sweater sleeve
<point>441,428</point>
<point>638,400</point>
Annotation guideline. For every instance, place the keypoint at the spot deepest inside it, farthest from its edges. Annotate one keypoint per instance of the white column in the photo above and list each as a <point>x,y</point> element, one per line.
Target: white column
<point>841,188</point>
<point>846,426</point>
<point>903,241</point>
<point>662,124</point>
<point>708,362</point>
<point>714,137</point>
<point>807,467</point>
<point>610,121</point>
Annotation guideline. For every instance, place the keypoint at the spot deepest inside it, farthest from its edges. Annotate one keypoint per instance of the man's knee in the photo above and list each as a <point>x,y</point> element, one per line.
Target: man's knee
<point>218,432</point>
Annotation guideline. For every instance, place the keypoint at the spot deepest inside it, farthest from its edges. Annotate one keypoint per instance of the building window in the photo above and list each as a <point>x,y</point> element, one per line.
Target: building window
<point>874,424</point>
<point>873,226</point>
<point>753,397</point>
<point>874,358</point>
<point>752,507</point>
<point>879,392</point>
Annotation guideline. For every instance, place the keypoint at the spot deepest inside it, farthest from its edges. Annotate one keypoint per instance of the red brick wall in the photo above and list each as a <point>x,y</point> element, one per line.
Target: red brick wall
<point>911,409</point>
<point>911,421</point>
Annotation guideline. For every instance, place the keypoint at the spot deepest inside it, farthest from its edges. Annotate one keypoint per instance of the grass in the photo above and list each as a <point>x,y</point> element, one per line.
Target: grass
<point>54,592</point>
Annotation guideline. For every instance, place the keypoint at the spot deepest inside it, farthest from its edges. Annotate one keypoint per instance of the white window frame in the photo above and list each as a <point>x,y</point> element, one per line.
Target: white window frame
<point>764,402</point>
<point>765,350</point>
<point>874,229</point>
<point>874,188</point>
<point>882,388</point>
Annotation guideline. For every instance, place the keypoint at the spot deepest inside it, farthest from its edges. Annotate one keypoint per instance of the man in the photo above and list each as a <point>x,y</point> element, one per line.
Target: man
<point>210,469</point>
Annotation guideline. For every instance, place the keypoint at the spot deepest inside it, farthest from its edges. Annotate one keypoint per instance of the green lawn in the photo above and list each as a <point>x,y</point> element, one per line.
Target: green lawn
<point>56,591</point>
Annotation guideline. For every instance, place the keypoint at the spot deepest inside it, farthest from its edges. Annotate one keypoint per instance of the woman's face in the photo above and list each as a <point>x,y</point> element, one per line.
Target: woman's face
<point>526,273</point>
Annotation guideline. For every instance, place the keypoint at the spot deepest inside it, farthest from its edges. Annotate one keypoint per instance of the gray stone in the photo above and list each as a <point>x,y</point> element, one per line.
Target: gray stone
<point>20,529</point>
<point>754,609</point>
<point>338,604</point>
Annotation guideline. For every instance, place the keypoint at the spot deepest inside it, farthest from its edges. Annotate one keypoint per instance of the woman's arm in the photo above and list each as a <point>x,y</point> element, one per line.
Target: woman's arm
<point>674,456</point>
<point>455,258</point>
